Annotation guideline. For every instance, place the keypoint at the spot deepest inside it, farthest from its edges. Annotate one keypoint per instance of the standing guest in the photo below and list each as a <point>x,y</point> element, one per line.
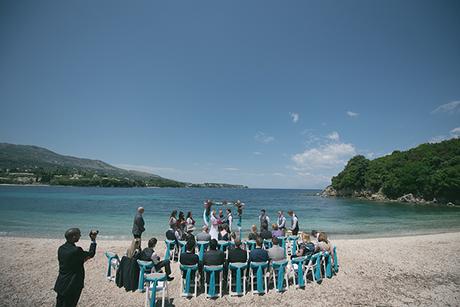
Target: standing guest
<point>138,224</point>
<point>323,243</point>
<point>229,218</point>
<point>253,235</point>
<point>148,254</point>
<point>204,235</point>
<point>263,219</point>
<point>276,252</point>
<point>239,211</point>
<point>294,223</point>
<point>190,220</point>
<point>181,222</point>
<point>306,248</point>
<point>70,281</point>
<point>207,212</point>
<point>281,221</point>
<point>189,233</point>
<point>258,254</point>
<point>173,219</point>
<point>214,232</point>
<point>189,258</point>
<point>134,251</point>
<point>265,234</point>
<point>276,232</point>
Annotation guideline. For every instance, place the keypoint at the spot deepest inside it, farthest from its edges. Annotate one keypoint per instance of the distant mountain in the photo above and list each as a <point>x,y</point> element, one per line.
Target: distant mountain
<point>26,164</point>
<point>427,173</point>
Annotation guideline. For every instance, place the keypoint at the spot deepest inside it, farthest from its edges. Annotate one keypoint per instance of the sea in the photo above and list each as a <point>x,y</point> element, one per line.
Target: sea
<point>47,211</point>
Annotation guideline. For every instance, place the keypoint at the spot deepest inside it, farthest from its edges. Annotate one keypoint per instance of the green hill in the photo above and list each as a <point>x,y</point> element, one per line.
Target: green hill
<point>428,172</point>
<point>33,164</point>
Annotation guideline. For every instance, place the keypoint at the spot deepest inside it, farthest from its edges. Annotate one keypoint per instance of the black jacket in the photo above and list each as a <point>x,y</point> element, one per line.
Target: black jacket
<point>71,270</point>
<point>128,274</point>
<point>138,225</point>
<point>237,255</point>
<point>214,257</point>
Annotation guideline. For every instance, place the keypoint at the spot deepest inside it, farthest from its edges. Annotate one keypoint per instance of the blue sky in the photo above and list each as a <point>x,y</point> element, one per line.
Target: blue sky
<point>262,93</point>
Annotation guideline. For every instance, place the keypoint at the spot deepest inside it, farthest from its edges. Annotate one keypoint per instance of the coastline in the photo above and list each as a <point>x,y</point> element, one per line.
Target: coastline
<point>379,271</point>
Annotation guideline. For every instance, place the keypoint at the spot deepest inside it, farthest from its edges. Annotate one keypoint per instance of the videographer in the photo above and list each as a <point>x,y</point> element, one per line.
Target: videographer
<point>70,280</point>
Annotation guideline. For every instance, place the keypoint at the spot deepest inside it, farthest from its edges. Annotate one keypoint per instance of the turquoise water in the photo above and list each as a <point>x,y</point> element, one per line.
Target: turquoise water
<point>39,211</point>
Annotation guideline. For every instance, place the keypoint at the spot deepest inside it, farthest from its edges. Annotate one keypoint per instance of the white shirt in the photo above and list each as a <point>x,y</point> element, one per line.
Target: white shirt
<point>294,222</point>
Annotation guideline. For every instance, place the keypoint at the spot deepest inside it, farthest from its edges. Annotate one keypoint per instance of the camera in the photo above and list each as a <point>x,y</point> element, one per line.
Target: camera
<point>93,232</point>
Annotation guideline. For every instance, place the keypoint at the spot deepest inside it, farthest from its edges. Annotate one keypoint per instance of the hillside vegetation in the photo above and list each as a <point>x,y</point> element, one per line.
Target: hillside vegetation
<point>429,171</point>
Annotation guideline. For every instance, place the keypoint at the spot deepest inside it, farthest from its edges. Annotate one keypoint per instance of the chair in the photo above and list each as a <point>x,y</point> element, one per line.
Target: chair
<point>181,248</point>
<point>279,269</point>
<point>202,247</point>
<point>262,269</point>
<point>170,245</point>
<point>156,282</point>
<point>268,243</point>
<point>300,263</point>
<point>185,283</point>
<point>239,269</point>
<point>145,267</point>
<point>113,263</point>
<point>213,270</point>
<point>292,244</point>
<point>335,261</point>
<point>327,265</point>
<point>282,243</point>
<point>250,245</point>
<point>223,246</point>
<point>314,266</point>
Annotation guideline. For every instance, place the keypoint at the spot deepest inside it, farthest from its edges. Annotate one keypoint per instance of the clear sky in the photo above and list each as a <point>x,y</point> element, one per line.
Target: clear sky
<point>262,93</point>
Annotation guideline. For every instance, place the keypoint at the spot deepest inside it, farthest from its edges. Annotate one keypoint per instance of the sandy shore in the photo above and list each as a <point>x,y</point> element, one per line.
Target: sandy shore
<point>416,270</point>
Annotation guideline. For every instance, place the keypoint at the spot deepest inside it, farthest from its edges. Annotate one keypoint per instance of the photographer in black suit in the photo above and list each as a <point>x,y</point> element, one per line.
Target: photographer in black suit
<point>71,276</point>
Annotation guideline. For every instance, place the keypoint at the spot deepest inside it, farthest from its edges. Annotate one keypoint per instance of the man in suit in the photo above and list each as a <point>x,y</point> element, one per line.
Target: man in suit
<point>258,254</point>
<point>70,280</point>
<point>213,256</point>
<point>148,254</point>
<point>236,254</point>
<point>138,224</point>
<point>189,257</point>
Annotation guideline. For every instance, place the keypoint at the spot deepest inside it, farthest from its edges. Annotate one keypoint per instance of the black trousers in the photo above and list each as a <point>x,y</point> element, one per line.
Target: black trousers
<point>70,300</point>
<point>164,264</point>
<point>137,236</point>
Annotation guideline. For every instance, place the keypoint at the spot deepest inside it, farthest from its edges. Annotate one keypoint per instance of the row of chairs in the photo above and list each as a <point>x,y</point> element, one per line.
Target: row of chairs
<point>260,274</point>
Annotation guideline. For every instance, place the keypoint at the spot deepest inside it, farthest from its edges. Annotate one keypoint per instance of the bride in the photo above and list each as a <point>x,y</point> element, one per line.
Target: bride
<point>214,232</point>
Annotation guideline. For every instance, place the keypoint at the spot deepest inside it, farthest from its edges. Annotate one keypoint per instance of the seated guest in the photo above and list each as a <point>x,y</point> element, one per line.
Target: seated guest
<point>236,254</point>
<point>314,236</point>
<point>265,233</point>
<point>276,232</point>
<point>134,251</point>
<point>223,233</point>
<point>323,243</point>
<point>253,235</point>
<point>189,234</point>
<point>148,254</point>
<point>204,235</point>
<point>213,256</point>
<point>189,257</point>
<point>258,254</point>
<point>170,234</point>
<point>276,252</point>
<point>306,248</point>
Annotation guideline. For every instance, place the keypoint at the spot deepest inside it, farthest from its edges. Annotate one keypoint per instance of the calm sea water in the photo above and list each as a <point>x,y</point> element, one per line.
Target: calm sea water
<point>48,211</point>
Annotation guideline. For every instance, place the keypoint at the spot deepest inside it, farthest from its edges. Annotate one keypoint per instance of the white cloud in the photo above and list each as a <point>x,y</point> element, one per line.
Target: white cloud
<point>324,157</point>
<point>279,174</point>
<point>334,136</point>
<point>257,153</point>
<point>231,169</point>
<point>352,114</point>
<point>263,138</point>
<point>455,132</point>
<point>295,117</point>
<point>451,107</point>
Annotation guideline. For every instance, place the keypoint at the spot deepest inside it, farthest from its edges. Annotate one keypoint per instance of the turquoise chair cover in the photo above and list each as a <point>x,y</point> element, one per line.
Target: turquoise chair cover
<point>188,276</point>
<point>316,258</point>
<point>250,244</point>
<point>238,267</point>
<point>260,266</point>
<point>155,278</point>
<point>223,244</point>
<point>268,243</point>
<point>144,266</point>
<point>293,240</point>
<point>327,260</point>
<point>203,246</point>
<point>212,278</point>
<point>110,256</point>
<point>169,245</point>
<point>280,267</point>
<point>336,261</point>
<point>283,244</point>
<point>300,262</point>
<point>182,246</point>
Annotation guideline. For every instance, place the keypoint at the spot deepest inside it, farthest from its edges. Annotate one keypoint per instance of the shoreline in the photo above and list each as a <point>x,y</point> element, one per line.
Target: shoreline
<point>382,271</point>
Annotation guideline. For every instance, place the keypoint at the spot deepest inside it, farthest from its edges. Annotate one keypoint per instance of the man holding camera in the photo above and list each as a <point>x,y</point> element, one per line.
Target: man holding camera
<point>70,280</point>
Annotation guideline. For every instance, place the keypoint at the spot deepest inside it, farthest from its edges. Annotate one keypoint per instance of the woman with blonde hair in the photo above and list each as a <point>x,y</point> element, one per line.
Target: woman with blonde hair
<point>135,249</point>
<point>323,243</point>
